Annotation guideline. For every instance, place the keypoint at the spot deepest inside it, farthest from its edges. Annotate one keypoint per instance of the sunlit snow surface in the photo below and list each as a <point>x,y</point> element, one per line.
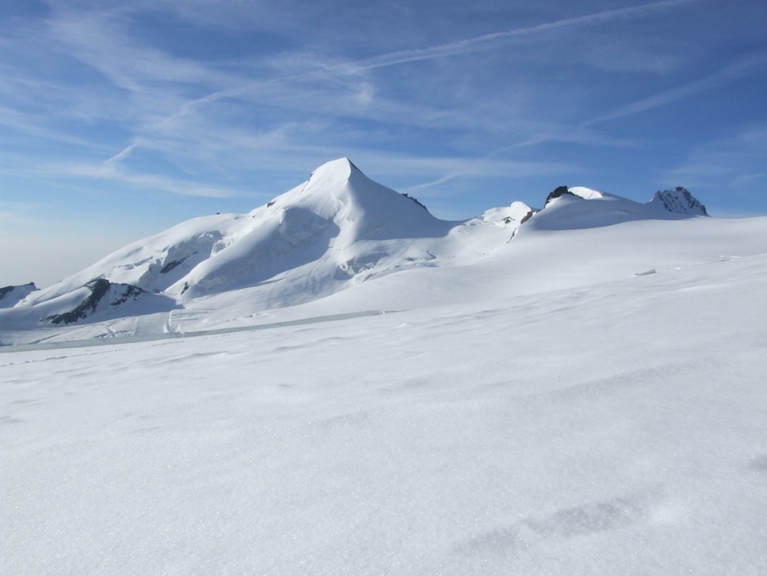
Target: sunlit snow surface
<point>617,428</point>
<point>586,398</point>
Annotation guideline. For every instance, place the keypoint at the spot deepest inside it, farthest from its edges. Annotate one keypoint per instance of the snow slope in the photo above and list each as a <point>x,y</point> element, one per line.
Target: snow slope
<point>311,241</point>
<point>12,295</point>
<point>320,229</point>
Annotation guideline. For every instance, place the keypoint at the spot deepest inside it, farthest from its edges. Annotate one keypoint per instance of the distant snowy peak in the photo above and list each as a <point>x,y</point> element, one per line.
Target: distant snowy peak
<point>511,216</point>
<point>580,192</point>
<point>335,231</point>
<point>587,193</point>
<point>676,201</point>
<point>679,201</point>
<point>339,192</point>
<point>12,295</point>
<point>565,208</point>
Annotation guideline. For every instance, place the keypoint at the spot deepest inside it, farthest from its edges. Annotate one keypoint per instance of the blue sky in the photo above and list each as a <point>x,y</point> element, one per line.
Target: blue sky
<point>120,119</point>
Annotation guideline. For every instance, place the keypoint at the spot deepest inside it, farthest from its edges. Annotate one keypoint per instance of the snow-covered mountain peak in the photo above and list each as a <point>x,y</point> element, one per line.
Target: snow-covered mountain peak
<point>512,216</point>
<point>340,192</point>
<point>587,193</point>
<point>334,232</point>
<point>565,208</point>
<point>326,183</point>
<point>339,169</point>
<point>337,228</point>
<point>580,192</point>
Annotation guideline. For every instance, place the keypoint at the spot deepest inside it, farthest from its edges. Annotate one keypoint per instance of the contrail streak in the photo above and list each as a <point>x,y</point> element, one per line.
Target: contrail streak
<point>486,41</point>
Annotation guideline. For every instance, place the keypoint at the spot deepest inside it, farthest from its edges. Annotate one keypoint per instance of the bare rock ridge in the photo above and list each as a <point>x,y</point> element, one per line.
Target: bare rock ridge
<point>102,293</point>
<point>680,201</point>
<point>558,192</point>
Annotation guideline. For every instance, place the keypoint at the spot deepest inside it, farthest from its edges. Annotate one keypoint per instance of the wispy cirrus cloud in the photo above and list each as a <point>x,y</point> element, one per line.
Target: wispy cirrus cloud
<point>729,162</point>
<point>754,63</point>
<point>218,119</point>
<point>108,108</point>
<point>728,174</point>
<point>328,86</point>
<point>111,171</point>
<point>491,41</point>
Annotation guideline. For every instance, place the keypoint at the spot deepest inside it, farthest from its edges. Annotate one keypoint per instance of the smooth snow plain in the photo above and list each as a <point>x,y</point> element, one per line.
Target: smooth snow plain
<point>617,428</point>
<point>587,398</point>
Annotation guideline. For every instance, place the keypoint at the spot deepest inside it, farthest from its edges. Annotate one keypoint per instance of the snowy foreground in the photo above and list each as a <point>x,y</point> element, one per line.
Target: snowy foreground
<point>615,428</point>
<point>340,383</point>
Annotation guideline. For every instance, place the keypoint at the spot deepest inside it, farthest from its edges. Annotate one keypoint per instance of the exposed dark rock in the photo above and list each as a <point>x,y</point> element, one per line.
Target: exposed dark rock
<point>558,192</point>
<point>10,296</point>
<point>679,201</point>
<point>526,217</point>
<point>129,292</point>
<point>409,197</point>
<point>27,288</point>
<point>99,288</point>
<point>172,264</point>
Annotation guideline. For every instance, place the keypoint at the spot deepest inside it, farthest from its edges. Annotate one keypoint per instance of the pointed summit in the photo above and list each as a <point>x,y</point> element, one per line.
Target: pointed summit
<point>338,191</point>
<point>341,168</point>
<point>337,227</point>
<point>679,201</point>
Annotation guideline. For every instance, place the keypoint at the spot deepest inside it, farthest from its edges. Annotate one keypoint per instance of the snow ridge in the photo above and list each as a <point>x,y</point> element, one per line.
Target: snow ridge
<point>12,295</point>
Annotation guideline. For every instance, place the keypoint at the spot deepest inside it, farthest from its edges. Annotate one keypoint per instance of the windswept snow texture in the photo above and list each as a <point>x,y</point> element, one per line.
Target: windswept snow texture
<point>615,428</point>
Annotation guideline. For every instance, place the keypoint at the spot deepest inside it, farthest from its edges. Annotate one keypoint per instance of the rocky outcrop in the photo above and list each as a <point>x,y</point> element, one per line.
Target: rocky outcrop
<point>100,289</point>
<point>11,295</point>
<point>512,216</point>
<point>679,201</point>
<point>558,192</point>
<point>421,204</point>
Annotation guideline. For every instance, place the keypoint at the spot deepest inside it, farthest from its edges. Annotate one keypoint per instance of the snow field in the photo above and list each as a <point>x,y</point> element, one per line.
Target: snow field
<point>614,428</point>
